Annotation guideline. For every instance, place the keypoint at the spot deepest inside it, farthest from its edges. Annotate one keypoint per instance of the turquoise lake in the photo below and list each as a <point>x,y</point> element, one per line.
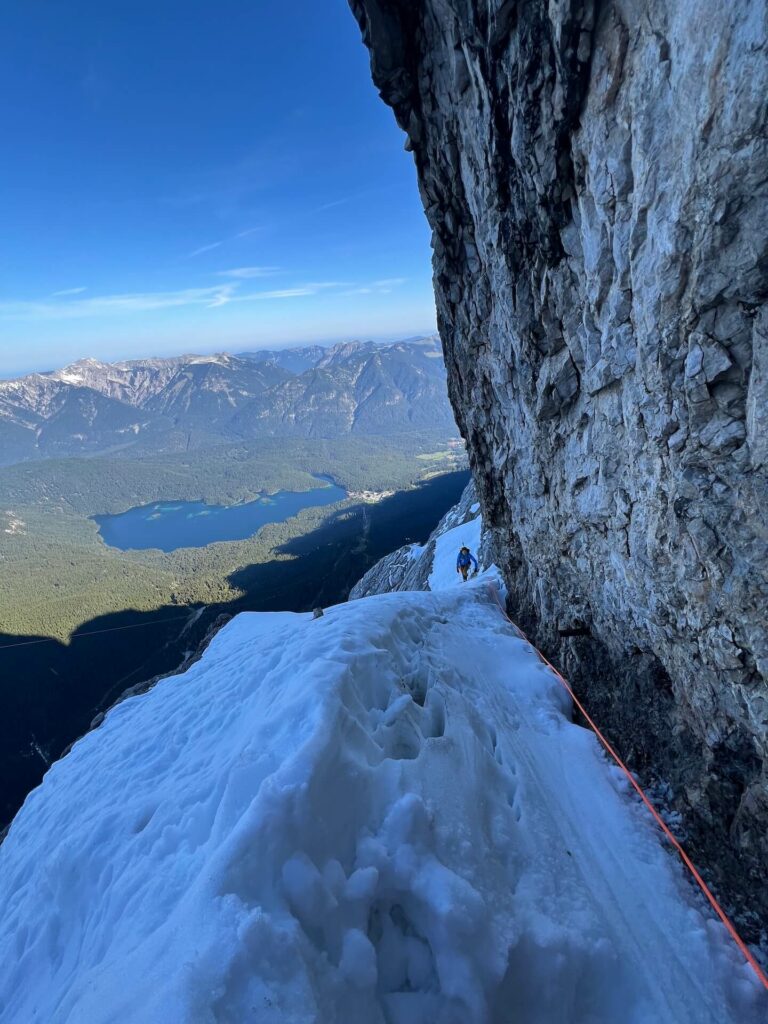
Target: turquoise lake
<point>193,524</point>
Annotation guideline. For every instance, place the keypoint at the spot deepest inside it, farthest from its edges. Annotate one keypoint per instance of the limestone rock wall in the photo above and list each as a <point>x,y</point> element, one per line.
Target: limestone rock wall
<point>596,179</point>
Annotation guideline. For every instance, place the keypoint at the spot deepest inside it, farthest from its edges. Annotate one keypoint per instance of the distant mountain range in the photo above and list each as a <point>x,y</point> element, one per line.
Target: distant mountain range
<point>158,405</point>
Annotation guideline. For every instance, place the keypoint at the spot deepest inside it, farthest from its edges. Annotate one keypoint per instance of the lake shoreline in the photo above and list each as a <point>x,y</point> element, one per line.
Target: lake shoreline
<point>66,685</point>
<point>171,525</point>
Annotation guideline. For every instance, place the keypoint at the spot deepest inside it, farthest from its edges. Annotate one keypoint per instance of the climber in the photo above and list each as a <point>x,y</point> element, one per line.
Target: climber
<point>463,561</point>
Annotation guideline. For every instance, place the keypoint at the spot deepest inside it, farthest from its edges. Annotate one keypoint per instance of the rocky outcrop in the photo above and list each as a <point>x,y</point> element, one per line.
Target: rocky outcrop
<point>409,567</point>
<point>596,179</point>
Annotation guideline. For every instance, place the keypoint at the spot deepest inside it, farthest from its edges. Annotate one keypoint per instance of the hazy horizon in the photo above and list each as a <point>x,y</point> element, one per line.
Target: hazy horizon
<point>362,336</point>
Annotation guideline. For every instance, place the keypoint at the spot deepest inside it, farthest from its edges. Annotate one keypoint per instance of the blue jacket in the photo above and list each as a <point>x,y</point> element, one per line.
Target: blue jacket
<point>465,559</point>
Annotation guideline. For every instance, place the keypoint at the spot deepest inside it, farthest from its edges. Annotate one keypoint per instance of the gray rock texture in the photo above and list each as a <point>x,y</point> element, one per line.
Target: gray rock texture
<point>596,179</point>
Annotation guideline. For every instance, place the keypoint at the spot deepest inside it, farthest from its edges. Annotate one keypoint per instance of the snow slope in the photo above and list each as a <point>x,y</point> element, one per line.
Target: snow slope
<point>381,816</point>
<point>447,546</point>
<point>424,567</point>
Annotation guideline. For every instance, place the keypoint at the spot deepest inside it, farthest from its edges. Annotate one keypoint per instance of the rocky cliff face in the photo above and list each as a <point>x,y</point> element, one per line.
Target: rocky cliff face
<point>596,178</point>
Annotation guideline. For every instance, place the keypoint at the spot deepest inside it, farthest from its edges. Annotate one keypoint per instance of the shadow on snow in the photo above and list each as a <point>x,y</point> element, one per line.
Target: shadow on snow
<point>51,691</point>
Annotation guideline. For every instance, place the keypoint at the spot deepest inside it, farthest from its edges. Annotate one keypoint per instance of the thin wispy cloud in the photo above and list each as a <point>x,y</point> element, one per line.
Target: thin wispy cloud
<point>389,282</point>
<point>204,248</point>
<point>221,298</point>
<point>223,241</point>
<point>123,304</point>
<point>298,291</point>
<point>366,193</point>
<point>232,188</point>
<point>281,293</point>
<point>244,273</point>
<point>105,305</point>
<point>319,286</point>
<point>382,287</point>
<point>334,203</point>
<point>68,291</point>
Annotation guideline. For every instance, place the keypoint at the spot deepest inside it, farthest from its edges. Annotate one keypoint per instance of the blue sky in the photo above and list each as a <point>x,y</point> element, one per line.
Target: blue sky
<point>189,176</point>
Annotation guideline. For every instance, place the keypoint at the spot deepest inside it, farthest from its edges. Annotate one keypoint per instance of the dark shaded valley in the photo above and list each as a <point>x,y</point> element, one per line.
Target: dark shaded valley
<point>51,692</point>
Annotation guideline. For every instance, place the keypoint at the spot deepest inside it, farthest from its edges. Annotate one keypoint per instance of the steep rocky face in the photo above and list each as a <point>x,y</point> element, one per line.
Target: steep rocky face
<point>596,178</point>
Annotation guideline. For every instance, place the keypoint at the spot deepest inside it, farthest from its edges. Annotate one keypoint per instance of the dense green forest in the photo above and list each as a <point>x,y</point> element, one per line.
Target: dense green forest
<point>57,572</point>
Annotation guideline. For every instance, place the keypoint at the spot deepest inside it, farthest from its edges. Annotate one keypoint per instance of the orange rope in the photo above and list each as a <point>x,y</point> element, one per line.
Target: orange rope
<point>636,785</point>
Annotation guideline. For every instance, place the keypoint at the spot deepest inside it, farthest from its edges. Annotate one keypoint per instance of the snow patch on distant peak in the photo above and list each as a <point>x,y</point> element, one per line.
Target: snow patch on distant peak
<point>77,368</point>
<point>220,358</point>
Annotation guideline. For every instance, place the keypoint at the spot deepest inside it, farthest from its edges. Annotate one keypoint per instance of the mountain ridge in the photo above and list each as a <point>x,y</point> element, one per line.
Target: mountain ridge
<point>90,406</point>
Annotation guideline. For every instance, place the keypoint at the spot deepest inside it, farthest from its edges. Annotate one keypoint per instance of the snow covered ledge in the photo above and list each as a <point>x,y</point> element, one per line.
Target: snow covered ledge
<point>381,815</point>
<point>412,567</point>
